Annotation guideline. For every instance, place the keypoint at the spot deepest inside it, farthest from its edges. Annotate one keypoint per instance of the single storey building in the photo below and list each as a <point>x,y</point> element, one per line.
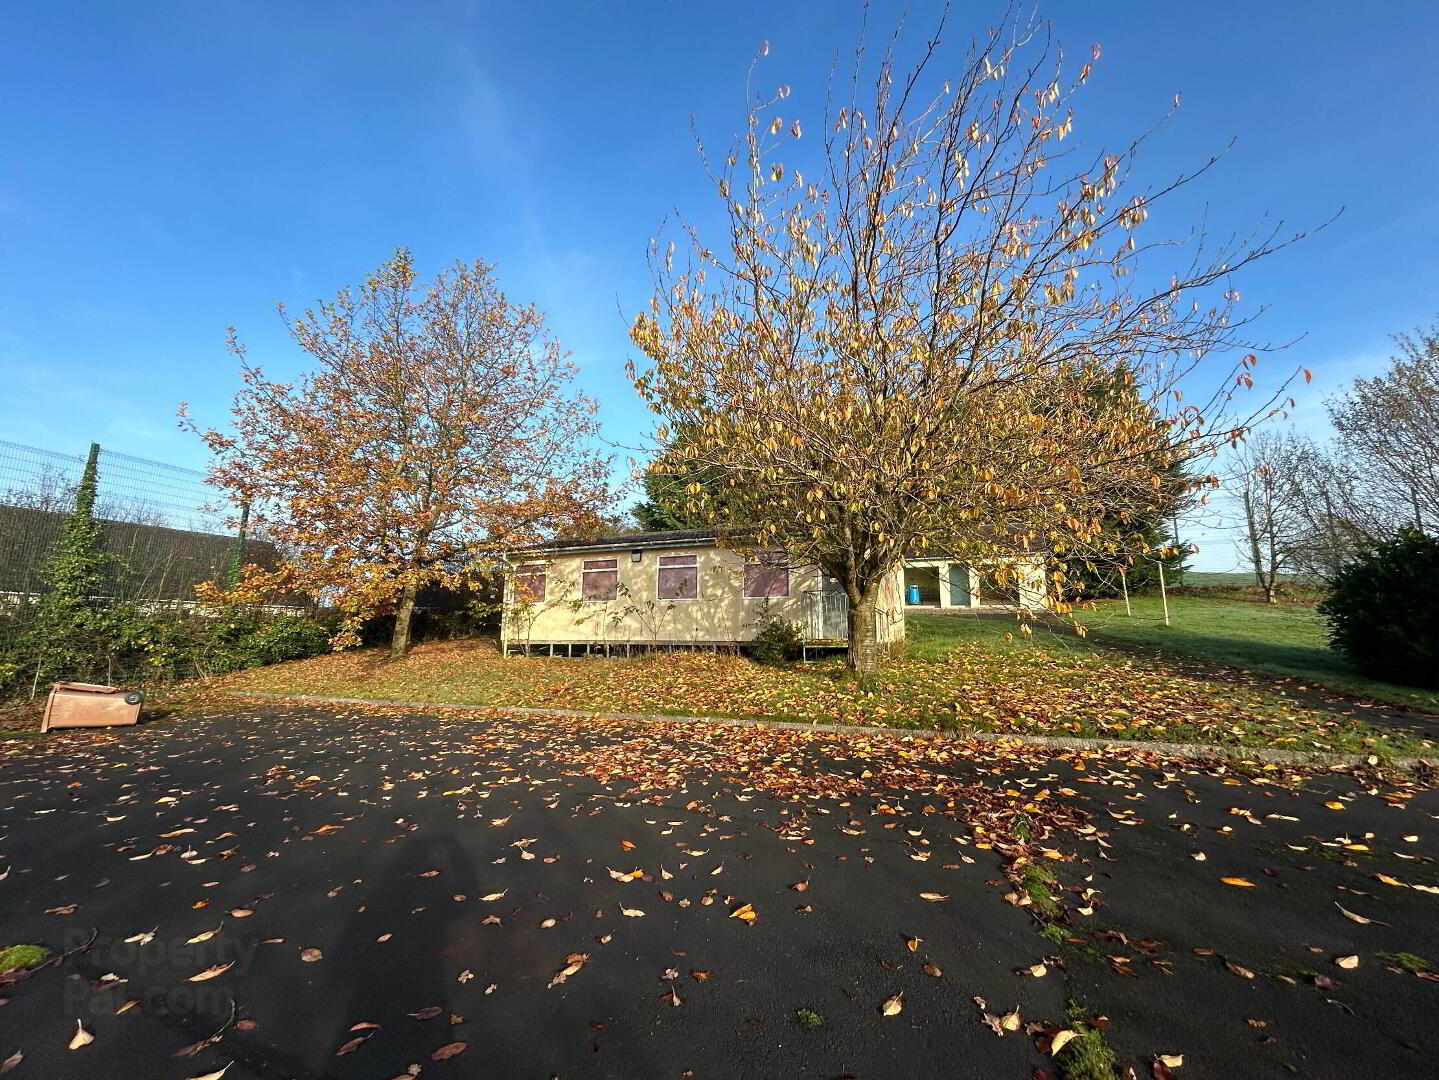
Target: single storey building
<point>679,589</point>
<point>685,589</point>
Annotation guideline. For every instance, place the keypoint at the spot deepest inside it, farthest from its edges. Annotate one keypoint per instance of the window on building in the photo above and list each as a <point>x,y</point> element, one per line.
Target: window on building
<point>530,583</point>
<point>766,575</point>
<point>599,580</point>
<point>678,577</point>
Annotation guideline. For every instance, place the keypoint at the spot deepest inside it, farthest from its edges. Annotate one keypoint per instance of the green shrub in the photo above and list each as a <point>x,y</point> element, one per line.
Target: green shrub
<point>777,642</point>
<point>15,663</point>
<point>155,647</point>
<point>286,637</point>
<point>1382,610</point>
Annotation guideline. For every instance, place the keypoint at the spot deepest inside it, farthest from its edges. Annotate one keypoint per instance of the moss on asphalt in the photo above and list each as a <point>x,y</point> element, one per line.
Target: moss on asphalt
<point>1088,1056</point>
<point>19,957</point>
<point>1038,883</point>
<point>1406,960</point>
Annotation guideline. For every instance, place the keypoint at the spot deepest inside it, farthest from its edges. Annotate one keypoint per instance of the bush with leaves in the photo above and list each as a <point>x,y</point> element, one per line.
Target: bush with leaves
<point>16,664</point>
<point>286,637</point>
<point>777,641</point>
<point>156,647</point>
<point>177,645</point>
<point>232,639</point>
<point>1381,610</point>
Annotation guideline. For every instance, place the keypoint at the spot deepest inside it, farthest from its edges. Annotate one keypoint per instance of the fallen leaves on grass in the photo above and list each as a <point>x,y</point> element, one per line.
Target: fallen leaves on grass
<point>983,684</point>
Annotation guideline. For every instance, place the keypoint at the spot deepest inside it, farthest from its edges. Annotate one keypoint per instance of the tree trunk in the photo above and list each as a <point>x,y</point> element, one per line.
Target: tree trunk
<point>863,658</point>
<point>400,641</point>
<point>1251,527</point>
<point>1271,577</point>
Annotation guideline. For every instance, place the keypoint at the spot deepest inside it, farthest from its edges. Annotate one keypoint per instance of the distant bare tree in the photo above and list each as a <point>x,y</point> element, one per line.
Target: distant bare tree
<point>1388,429</point>
<point>1272,505</point>
<point>53,491</point>
<point>1332,520</point>
<point>50,490</point>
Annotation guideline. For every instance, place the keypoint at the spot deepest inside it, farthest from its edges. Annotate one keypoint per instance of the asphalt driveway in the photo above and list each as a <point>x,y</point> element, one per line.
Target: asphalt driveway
<point>296,893</point>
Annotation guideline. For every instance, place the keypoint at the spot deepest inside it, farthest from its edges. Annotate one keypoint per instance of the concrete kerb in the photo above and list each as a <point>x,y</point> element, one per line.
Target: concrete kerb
<point>1193,751</point>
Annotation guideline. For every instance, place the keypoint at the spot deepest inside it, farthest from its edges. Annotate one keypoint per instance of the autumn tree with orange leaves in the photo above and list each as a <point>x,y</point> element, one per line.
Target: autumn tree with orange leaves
<point>438,428</point>
<point>941,329</point>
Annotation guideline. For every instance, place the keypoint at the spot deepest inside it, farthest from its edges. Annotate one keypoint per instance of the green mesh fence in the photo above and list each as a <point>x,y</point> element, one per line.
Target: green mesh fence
<point>166,529</point>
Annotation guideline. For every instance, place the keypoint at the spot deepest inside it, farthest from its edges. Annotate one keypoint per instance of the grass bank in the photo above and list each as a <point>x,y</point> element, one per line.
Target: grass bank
<point>958,673</point>
<point>1231,626</point>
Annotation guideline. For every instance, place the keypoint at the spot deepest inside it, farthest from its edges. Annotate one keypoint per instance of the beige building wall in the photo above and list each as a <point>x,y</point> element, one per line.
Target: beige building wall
<point>1030,585</point>
<point>721,613</point>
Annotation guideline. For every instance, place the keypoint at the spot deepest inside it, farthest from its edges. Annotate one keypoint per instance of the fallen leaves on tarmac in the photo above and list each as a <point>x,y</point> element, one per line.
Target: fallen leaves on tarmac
<point>470,862</point>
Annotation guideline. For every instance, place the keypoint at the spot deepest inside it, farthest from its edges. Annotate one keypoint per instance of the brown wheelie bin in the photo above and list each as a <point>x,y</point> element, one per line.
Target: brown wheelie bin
<point>78,704</point>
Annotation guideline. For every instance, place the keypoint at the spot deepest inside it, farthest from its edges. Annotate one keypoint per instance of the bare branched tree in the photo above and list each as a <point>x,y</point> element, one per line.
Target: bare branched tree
<point>1388,432</point>
<point>1334,520</point>
<point>1273,505</point>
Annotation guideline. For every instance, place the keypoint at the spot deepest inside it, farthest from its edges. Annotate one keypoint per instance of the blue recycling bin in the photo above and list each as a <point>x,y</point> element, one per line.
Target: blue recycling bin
<point>913,594</point>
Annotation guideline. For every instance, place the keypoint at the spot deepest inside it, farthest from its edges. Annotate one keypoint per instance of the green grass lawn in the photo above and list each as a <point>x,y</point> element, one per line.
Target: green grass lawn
<point>957,673</point>
<point>1226,626</point>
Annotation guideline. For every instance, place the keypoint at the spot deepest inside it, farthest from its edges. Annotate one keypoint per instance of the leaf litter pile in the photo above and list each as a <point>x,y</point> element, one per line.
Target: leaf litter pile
<point>299,893</point>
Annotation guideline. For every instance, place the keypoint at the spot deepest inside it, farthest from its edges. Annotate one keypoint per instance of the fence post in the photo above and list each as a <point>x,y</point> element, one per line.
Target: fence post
<point>1179,570</point>
<point>89,489</point>
<point>232,572</point>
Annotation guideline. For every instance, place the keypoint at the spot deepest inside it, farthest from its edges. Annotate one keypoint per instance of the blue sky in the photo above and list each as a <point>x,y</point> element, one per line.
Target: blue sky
<point>173,168</point>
